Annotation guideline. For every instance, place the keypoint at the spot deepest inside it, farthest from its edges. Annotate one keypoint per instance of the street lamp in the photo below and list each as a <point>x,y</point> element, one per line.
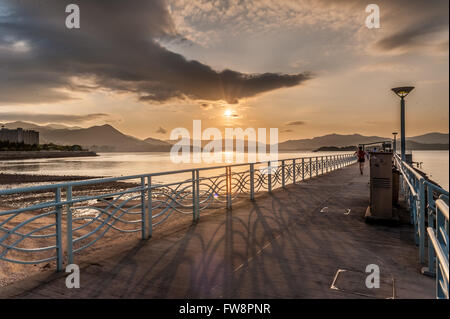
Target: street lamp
<point>395,142</point>
<point>402,92</point>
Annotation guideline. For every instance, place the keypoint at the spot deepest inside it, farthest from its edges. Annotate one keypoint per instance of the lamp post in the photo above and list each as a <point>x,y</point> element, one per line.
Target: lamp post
<point>395,141</point>
<point>402,92</point>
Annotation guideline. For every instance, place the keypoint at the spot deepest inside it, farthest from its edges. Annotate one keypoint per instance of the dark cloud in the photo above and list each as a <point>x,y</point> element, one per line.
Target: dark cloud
<point>49,118</point>
<point>295,123</point>
<point>406,24</point>
<point>415,35</point>
<point>411,23</point>
<point>161,130</point>
<point>117,48</point>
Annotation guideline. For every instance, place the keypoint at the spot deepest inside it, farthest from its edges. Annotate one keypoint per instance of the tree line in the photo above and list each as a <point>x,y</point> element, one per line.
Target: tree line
<point>7,146</point>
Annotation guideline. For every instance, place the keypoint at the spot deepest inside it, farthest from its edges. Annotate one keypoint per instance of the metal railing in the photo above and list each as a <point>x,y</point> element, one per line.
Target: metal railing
<point>428,205</point>
<point>439,248</point>
<point>56,221</point>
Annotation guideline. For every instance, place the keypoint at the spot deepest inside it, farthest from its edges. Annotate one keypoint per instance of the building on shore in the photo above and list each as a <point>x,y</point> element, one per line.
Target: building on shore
<point>19,135</point>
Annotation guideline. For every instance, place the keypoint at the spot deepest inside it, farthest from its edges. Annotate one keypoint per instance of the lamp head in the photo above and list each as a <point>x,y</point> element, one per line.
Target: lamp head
<point>403,90</point>
<point>394,133</point>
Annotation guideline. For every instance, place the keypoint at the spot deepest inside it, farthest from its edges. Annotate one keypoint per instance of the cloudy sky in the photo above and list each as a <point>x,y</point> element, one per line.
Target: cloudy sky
<point>308,67</point>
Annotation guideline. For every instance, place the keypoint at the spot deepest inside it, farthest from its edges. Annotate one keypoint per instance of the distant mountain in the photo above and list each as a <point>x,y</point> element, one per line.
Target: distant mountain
<point>203,143</point>
<point>60,126</point>
<point>430,141</point>
<point>24,125</point>
<point>411,145</point>
<point>32,126</point>
<point>106,138</point>
<point>336,149</point>
<point>336,140</point>
<point>156,142</point>
<point>431,138</point>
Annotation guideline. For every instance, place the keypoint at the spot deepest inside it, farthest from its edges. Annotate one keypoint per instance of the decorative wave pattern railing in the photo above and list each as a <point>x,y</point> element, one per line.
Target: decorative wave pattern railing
<point>428,205</point>
<point>67,218</point>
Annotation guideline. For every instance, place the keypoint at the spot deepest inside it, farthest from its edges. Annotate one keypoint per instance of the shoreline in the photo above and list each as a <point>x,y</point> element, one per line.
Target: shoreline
<point>7,178</point>
<point>21,155</point>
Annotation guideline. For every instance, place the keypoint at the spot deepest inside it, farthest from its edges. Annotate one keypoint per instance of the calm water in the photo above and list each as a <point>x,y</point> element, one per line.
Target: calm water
<point>435,163</point>
<point>118,164</point>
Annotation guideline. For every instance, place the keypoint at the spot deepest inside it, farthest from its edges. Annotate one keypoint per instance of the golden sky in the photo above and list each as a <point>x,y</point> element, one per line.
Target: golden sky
<point>307,67</point>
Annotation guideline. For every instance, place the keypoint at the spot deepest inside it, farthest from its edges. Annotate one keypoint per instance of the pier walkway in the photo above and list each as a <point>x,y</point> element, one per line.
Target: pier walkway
<point>279,246</point>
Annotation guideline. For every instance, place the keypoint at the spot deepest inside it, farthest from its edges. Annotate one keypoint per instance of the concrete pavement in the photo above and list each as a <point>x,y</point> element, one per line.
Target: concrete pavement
<point>279,246</point>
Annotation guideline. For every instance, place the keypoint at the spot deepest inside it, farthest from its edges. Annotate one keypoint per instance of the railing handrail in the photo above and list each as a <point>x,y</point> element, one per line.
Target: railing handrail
<point>436,188</point>
<point>400,165</point>
<point>418,176</point>
<point>443,207</point>
<point>129,177</point>
<point>440,244</point>
<point>422,202</point>
<point>410,169</point>
<point>440,254</point>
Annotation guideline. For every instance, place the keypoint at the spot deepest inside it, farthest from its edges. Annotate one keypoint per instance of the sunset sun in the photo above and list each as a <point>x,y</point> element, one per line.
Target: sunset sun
<point>219,152</point>
<point>228,113</point>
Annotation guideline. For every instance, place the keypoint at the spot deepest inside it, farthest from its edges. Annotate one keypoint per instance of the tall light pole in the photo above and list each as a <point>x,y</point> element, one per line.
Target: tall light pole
<point>395,142</point>
<point>402,92</point>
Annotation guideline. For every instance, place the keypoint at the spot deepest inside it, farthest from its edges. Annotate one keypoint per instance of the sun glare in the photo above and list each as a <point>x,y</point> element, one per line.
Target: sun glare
<point>228,113</point>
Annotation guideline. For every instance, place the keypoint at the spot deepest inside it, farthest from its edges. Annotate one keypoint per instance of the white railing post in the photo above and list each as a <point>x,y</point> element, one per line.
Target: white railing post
<point>431,256</point>
<point>317,166</point>
<point>252,181</point>
<point>149,207</point>
<point>422,232</point>
<point>143,210</point>
<point>228,185</point>
<point>310,167</point>
<point>303,169</point>
<point>69,236</point>
<point>197,193</point>
<point>58,223</point>
<point>294,168</point>
<point>194,197</point>
<point>321,163</point>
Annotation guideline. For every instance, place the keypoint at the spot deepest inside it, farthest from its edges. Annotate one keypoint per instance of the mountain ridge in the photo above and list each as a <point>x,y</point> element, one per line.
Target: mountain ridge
<point>107,138</point>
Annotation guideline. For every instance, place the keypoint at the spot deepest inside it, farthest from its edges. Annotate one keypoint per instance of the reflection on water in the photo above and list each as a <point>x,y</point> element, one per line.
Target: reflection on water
<point>114,164</point>
<point>435,163</point>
